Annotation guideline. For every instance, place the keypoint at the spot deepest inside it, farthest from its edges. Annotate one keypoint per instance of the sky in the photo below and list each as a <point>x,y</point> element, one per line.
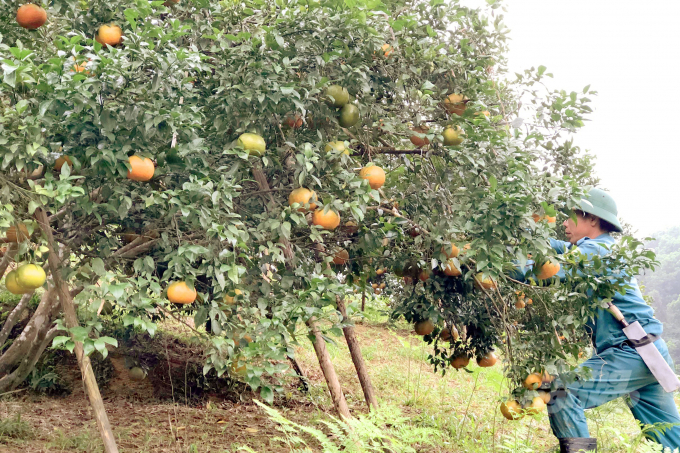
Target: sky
<point>629,52</point>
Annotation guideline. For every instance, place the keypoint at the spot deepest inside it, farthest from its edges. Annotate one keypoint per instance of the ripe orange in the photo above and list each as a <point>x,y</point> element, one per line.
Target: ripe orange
<point>110,35</point>
<point>382,285</point>
<point>31,16</point>
<point>536,406</point>
<point>548,270</point>
<point>328,220</point>
<point>337,146</point>
<point>545,396</point>
<point>455,103</point>
<point>512,410</point>
<point>460,362</point>
<point>253,143</point>
<point>61,161</point>
<point>419,142</point>
<point>180,293</point>
<point>374,285</point>
<point>13,236</point>
<point>446,334</point>
<point>529,301</point>
<point>141,168</point>
<point>551,219</point>
<point>547,377</point>
<point>377,291</point>
<point>238,367</point>
<point>452,136</point>
<point>487,360</point>
<point>294,121</point>
<point>230,298</point>
<point>341,257</point>
<point>520,304</point>
<point>451,252</point>
<point>380,271</point>
<point>486,283</point>
<point>452,269</point>
<point>533,381</point>
<point>387,49</point>
<point>425,327</point>
<point>423,275</point>
<point>302,196</point>
<point>375,176</point>
<point>537,218</point>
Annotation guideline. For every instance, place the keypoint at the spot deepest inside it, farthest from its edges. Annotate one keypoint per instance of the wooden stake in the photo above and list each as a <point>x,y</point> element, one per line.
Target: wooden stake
<point>328,370</point>
<point>71,320</point>
<point>357,358</point>
<point>319,343</point>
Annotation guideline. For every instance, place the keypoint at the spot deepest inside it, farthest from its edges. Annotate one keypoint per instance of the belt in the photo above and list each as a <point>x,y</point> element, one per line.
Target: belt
<point>649,338</point>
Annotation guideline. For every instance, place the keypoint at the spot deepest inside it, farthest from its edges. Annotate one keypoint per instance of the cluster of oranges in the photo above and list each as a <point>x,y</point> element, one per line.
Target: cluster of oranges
<point>27,277</point>
<point>512,409</point>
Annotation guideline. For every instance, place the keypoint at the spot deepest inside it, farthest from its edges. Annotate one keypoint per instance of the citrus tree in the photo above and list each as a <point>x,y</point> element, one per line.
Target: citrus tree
<point>254,163</point>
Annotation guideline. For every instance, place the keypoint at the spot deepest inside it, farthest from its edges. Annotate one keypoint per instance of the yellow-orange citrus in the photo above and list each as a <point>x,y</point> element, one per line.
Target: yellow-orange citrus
<point>387,49</point>
<point>30,276</point>
<point>451,269</point>
<point>109,34</point>
<point>536,406</point>
<point>450,252</point>
<point>180,293</point>
<point>374,175</point>
<point>141,168</point>
<point>460,362</point>
<point>548,270</point>
<point>230,298</point>
<point>533,381</point>
<point>328,220</point>
<point>455,103</point>
<point>486,283</point>
<point>302,196</point>
<point>61,160</point>
<point>13,285</point>
<point>341,257</point>
<point>425,327</point>
<point>545,396</point>
<point>487,360</point>
<point>31,16</point>
<point>337,146</point>
<point>419,142</point>
<point>512,410</point>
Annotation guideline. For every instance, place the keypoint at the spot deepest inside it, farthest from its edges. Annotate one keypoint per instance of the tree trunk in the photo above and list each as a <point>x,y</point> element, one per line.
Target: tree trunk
<point>71,320</point>
<point>7,259</point>
<point>319,345</point>
<point>328,371</point>
<point>357,358</point>
<point>13,318</point>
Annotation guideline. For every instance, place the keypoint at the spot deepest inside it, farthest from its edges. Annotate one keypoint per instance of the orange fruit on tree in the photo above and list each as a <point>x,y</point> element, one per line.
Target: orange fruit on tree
<point>30,276</point>
<point>12,284</point>
<point>380,271</point>
<point>520,304</point>
<point>374,175</point>
<point>550,219</point>
<point>253,143</point>
<point>537,218</point>
<point>512,410</point>
<point>377,291</point>
<point>545,396</point>
<point>383,285</point>
<point>548,270</point>
<point>425,327</point>
<point>452,136</point>
<point>533,381</point>
<point>537,405</point>
<point>374,285</point>
<point>452,269</point>
<point>337,146</point>
<point>455,103</point>
<point>419,142</point>
<point>302,196</point>
<point>238,366</point>
<point>180,293</point>
<point>141,168</point>
<point>447,334</point>
<point>487,360</point>
<point>341,257</point>
<point>230,297</point>
<point>387,49</point>
<point>14,235</point>
<point>529,301</point>
<point>31,16</point>
<point>328,220</point>
<point>485,283</point>
<point>424,275</point>
<point>547,378</point>
<point>111,35</point>
<point>450,252</point>
<point>61,160</point>
<point>460,362</point>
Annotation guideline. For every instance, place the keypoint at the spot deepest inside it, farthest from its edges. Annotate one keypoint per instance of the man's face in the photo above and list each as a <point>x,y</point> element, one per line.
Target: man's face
<point>580,229</point>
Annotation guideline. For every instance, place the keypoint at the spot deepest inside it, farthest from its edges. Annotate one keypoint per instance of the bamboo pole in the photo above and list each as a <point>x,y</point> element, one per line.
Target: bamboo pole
<point>357,358</point>
<point>71,320</point>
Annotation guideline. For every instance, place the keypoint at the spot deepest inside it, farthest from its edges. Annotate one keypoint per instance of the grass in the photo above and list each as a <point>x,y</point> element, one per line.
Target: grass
<point>421,412</point>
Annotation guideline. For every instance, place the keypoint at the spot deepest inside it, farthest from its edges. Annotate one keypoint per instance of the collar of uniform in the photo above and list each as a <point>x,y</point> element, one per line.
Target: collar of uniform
<point>604,237</point>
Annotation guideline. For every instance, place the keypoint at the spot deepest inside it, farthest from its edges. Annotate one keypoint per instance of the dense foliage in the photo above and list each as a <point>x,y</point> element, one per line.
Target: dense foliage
<point>190,77</point>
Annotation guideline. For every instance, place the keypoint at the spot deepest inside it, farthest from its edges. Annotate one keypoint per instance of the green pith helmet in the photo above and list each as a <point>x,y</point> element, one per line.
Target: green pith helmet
<point>600,204</point>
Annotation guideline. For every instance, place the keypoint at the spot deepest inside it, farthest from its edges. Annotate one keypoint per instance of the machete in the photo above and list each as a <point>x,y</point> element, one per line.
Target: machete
<point>644,345</point>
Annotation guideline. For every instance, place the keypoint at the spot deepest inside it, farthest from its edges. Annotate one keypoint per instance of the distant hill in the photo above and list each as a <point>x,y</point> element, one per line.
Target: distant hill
<point>663,286</point>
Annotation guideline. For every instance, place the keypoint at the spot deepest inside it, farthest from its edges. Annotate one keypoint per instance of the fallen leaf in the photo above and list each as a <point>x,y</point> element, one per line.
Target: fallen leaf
<point>252,430</point>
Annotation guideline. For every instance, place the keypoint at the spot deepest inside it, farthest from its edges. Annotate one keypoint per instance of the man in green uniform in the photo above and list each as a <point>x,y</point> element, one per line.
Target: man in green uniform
<point>617,368</point>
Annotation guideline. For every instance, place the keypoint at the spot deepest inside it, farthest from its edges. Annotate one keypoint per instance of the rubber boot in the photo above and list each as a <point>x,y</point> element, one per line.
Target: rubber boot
<point>576,444</point>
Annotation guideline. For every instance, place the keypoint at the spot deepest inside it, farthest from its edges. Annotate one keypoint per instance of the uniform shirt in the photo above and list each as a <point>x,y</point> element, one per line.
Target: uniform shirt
<point>605,330</point>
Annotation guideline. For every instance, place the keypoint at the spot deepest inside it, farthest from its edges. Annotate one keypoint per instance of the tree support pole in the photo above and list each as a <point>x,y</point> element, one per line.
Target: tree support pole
<point>319,343</point>
<point>328,371</point>
<point>357,358</point>
<point>71,320</point>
